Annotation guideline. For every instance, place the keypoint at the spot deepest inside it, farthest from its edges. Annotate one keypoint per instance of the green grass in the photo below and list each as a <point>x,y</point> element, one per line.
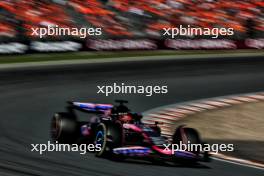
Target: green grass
<point>104,55</point>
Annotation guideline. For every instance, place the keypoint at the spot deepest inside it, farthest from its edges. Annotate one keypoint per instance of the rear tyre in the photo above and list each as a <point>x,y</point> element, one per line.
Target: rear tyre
<point>108,135</point>
<point>64,128</point>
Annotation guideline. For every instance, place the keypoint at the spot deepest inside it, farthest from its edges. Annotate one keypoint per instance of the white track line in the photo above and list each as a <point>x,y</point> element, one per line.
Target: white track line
<point>237,163</point>
<point>192,107</point>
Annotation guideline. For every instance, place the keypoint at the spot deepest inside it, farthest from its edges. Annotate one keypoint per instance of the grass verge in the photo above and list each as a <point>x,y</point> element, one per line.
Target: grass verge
<point>7,59</point>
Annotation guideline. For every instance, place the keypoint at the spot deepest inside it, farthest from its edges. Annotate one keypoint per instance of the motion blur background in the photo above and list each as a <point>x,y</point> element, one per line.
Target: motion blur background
<point>129,19</point>
<point>37,90</point>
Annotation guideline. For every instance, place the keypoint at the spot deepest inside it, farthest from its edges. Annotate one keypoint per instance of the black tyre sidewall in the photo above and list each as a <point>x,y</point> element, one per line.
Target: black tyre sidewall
<point>189,134</point>
<point>103,129</point>
<point>67,128</point>
<point>112,130</point>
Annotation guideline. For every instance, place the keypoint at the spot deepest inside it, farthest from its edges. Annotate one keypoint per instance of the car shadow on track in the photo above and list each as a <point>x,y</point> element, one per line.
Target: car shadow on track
<point>162,164</point>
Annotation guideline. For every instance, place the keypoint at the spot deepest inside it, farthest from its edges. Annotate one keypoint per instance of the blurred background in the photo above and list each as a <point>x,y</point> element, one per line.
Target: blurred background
<point>233,65</point>
<point>129,19</point>
<point>129,24</point>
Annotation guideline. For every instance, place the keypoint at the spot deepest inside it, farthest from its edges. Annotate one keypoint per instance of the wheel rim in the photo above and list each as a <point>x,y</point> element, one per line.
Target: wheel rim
<point>99,138</point>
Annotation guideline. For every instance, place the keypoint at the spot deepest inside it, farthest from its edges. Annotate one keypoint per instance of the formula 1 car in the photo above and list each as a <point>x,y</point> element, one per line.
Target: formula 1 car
<point>122,134</point>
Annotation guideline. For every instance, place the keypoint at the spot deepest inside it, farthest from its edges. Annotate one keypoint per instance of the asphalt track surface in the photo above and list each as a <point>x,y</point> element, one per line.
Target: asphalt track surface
<point>29,97</point>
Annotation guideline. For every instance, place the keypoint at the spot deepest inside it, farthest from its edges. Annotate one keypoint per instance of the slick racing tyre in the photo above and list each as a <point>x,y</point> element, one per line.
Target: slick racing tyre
<point>108,135</point>
<point>64,128</point>
<point>186,135</point>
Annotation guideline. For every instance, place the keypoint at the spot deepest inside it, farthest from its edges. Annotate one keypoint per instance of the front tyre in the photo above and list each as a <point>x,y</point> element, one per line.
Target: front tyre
<point>187,136</point>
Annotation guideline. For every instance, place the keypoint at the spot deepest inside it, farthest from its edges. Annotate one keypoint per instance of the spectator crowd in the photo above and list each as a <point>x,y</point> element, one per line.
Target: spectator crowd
<point>131,18</point>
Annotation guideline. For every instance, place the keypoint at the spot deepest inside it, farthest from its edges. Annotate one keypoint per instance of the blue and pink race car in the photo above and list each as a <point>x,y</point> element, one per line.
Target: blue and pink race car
<point>121,134</point>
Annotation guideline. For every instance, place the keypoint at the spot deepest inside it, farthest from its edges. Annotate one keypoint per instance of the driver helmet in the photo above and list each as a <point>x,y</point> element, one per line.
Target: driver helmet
<point>126,118</point>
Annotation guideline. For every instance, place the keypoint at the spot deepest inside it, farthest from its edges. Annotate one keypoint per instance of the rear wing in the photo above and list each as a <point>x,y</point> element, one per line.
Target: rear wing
<point>90,107</point>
